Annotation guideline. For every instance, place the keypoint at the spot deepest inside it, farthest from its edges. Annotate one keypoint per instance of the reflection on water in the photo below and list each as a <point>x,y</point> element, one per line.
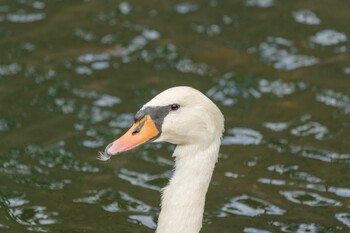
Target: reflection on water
<point>6,70</point>
<point>344,218</point>
<point>22,17</point>
<point>230,87</point>
<point>35,215</point>
<point>43,182</point>
<point>301,228</point>
<point>308,198</point>
<point>335,99</point>
<point>251,206</point>
<point>306,16</point>
<point>341,192</point>
<point>154,182</point>
<point>113,201</point>
<point>145,220</point>
<point>73,74</point>
<point>260,3</point>
<point>282,55</point>
<point>328,37</point>
<point>11,198</point>
<point>242,136</point>
<point>311,128</point>
<point>309,152</point>
<point>16,206</point>
<point>254,230</point>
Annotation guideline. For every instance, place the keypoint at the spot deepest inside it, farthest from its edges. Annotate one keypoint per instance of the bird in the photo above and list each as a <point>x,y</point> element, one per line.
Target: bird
<point>185,117</point>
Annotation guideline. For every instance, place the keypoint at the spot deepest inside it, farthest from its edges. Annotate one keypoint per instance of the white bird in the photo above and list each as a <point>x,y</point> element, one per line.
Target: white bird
<point>187,118</point>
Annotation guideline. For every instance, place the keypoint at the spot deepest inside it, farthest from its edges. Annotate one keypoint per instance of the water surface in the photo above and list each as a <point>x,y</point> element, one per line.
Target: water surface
<point>73,73</point>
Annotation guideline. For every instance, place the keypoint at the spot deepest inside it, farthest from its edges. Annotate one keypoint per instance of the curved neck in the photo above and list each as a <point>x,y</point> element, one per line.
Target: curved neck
<point>183,199</point>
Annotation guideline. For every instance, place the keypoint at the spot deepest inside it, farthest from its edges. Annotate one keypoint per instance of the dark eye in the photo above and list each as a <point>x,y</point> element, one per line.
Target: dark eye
<point>174,107</point>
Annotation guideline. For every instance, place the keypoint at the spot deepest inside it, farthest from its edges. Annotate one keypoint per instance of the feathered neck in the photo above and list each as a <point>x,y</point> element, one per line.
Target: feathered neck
<point>183,199</point>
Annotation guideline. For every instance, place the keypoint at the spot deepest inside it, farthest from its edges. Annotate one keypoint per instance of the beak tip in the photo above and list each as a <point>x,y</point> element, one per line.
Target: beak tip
<point>108,147</point>
<point>106,155</point>
<point>114,148</point>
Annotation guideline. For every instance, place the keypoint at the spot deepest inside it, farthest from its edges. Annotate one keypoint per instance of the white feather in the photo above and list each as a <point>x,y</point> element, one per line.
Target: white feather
<point>196,128</point>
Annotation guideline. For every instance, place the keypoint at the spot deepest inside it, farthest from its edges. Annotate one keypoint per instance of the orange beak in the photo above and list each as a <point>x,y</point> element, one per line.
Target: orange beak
<point>142,131</point>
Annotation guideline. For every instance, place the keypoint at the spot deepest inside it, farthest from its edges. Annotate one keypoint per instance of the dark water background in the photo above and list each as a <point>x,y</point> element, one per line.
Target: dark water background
<point>73,73</point>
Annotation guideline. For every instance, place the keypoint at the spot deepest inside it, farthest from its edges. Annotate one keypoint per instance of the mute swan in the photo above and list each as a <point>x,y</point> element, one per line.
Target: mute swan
<point>185,117</point>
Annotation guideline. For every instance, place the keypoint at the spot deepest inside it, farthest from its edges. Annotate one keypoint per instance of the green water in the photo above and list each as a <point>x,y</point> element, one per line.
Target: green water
<point>73,74</point>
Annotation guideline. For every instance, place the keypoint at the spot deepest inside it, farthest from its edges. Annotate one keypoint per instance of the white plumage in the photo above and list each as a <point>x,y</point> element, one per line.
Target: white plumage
<point>196,129</point>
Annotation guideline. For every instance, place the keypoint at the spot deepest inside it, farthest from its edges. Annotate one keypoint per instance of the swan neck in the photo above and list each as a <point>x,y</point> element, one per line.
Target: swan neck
<point>183,199</point>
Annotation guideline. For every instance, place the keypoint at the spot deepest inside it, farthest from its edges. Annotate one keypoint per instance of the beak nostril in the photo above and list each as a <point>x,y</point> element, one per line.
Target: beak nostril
<point>138,128</point>
<point>135,131</point>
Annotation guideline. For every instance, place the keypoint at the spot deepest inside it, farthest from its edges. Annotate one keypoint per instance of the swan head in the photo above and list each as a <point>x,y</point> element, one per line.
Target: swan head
<point>179,115</point>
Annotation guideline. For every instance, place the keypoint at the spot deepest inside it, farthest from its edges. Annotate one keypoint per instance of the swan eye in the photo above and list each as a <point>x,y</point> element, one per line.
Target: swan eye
<point>174,107</point>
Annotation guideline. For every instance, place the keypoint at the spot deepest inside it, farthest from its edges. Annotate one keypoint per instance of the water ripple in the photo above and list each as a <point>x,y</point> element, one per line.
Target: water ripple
<point>83,70</point>
<point>151,34</point>
<point>308,198</point>
<point>70,89</point>
<point>335,99</point>
<point>292,173</point>
<point>343,218</point>
<point>282,55</point>
<point>144,180</point>
<point>276,126</point>
<point>231,86</point>
<point>168,56</point>
<point>9,165</point>
<point>23,17</point>
<point>311,128</point>
<point>7,123</point>
<point>339,191</point>
<point>210,30</point>
<point>186,7</point>
<point>10,69</point>
<point>107,101</point>
<point>282,169</point>
<point>301,127</point>
<point>260,3</point>
<point>10,198</point>
<point>233,175</point>
<point>242,136</point>
<point>33,215</point>
<point>89,57</point>
<point>300,227</point>
<point>122,121</point>
<point>251,206</point>
<point>309,152</point>
<point>39,76</point>
<point>2,226</point>
<point>306,17</point>
<point>57,156</point>
<point>329,37</point>
<point>38,5</point>
<point>144,220</point>
<point>254,230</point>
<point>83,34</point>
<point>114,201</point>
<point>125,8</point>
<point>43,182</point>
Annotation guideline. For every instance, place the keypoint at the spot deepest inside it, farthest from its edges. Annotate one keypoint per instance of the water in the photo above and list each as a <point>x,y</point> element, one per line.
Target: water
<point>73,73</point>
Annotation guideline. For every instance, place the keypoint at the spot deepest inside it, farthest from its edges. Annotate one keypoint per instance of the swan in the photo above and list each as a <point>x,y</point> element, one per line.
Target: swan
<point>187,118</point>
